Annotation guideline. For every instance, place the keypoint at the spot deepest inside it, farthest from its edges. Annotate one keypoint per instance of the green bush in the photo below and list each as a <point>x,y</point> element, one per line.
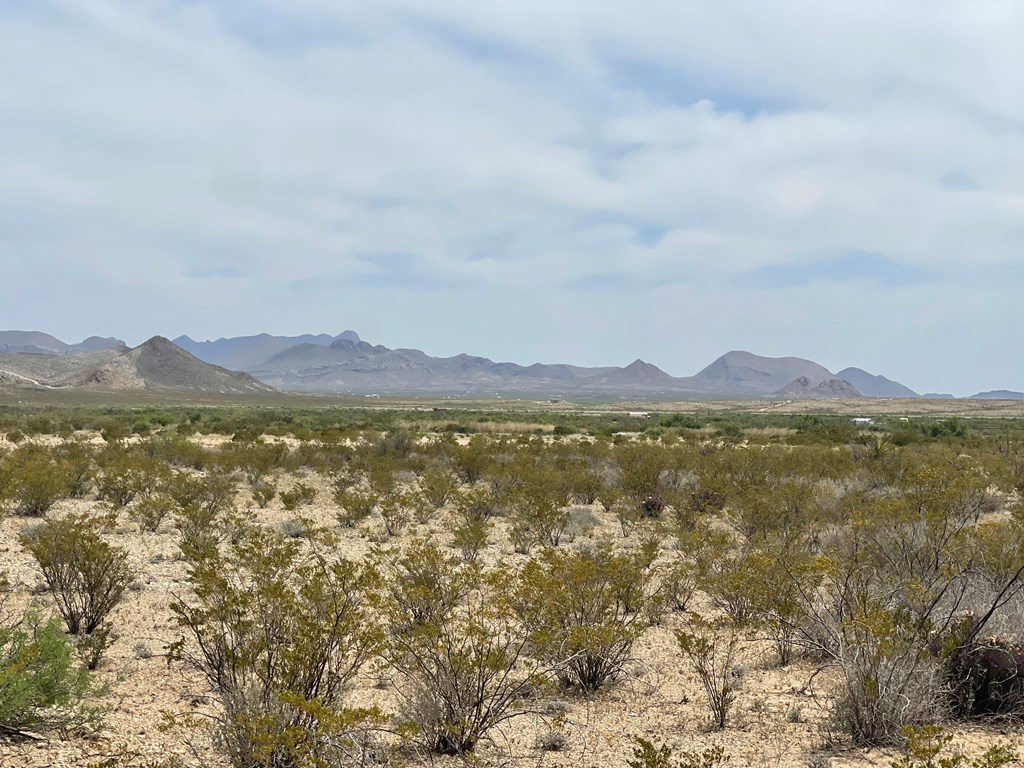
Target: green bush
<point>86,575</point>
<point>462,662</point>
<point>590,637</point>
<point>42,685</point>
<point>127,473</point>
<point>35,479</point>
<point>279,629</point>
<point>300,495</point>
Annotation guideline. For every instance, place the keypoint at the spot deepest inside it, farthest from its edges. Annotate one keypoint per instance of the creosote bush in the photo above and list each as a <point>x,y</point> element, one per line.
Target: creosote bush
<point>459,652</point>
<point>928,747</point>
<point>86,575</point>
<point>584,610</point>
<point>35,479</point>
<point>712,650</point>
<point>279,627</point>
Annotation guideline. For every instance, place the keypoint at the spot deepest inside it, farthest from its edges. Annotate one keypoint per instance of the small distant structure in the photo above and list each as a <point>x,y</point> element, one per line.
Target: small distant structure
<point>373,395</point>
<point>863,421</point>
<point>904,419</point>
<point>638,415</point>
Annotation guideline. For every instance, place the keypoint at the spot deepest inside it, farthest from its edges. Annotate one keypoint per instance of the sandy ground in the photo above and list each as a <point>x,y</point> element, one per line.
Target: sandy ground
<point>776,722</point>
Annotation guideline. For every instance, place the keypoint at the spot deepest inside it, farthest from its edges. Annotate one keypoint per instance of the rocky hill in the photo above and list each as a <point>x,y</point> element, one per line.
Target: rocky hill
<point>157,365</point>
<point>161,365</point>
<point>243,353</point>
<point>743,372</point>
<point>870,385</point>
<point>804,388</point>
<point>39,343</point>
<point>998,394</point>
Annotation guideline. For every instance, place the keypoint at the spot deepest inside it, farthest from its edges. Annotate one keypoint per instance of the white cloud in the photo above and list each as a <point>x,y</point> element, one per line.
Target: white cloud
<point>527,153</point>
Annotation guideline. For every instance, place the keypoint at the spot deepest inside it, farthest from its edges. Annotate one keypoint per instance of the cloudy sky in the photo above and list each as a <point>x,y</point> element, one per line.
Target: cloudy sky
<point>576,181</point>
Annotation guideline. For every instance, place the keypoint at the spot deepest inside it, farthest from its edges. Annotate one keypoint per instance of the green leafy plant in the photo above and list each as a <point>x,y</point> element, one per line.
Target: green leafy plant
<point>300,495</point>
<point>86,575</point>
<point>712,650</point>
<point>646,755</point>
<point>279,629</point>
<point>464,667</point>
<point>585,610</point>
<point>35,479</point>
<point>43,686</point>
<point>926,747</point>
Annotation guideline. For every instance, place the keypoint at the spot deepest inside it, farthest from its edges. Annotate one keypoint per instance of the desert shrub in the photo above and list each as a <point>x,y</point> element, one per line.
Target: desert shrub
<point>395,513</point>
<point>552,740</point>
<point>150,512</point>
<point>646,755</point>
<point>927,747</point>
<point>86,575</point>
<point>640,466</point>
<point>463,670</point>
<point>126,474</point>
<point>582,522</point>
<point>761,583</point>
<point>35,479</point>
<point>583,485</point>
<point>589,637</point>
<point>213,492</point>
<point>475,504</point>
<point>279,630</point>
<point>470,537</point>
<point>76,461</point>
<point>539,507</point>
<point>711,650</point>
<point>423,582</point>
<point>356,504</point>
<point>43,687</point>
<point>15,436</point>
<point>294,528</point>
<point>397,443</point>
<point>678,585</point>
<point>177,451</point>
<point>473,460</point>
<point>263,492</point>
<point>300,495</point>
<point>423,510</point>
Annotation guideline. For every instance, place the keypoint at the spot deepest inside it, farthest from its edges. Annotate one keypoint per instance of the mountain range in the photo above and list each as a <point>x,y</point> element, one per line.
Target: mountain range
<point>158,365</point>
<point>345,364</point>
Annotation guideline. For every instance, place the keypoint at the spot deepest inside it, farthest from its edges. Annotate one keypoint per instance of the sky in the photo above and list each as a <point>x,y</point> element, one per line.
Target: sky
<point>576,181</point>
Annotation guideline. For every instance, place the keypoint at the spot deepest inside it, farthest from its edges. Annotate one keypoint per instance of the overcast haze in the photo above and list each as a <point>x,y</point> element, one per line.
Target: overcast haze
<point>540,180</point>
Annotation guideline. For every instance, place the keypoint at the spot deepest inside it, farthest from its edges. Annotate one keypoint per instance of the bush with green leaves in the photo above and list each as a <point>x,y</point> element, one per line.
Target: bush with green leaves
<point>539,507</point>
<point>86,575</point>
<point>43,686</point>
<point>279,627</point>
<point>35,479</point>
<point>928,747</point>
<point>438,483</point>
<point>584,610</point>
<point>711,650</point>
<point>299,495</point>
<point>76,460</point>
<point>355,505</point>
<point>460,654</point>
<point>646,755</point>
<point>127,472</point>
<point>150,512</point>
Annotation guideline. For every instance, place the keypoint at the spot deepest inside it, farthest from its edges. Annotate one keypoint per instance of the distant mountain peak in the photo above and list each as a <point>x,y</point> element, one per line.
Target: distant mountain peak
<point>740,370</point>
<point>804,388</point>
<point>875,386</point>
<point>998,394</point>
